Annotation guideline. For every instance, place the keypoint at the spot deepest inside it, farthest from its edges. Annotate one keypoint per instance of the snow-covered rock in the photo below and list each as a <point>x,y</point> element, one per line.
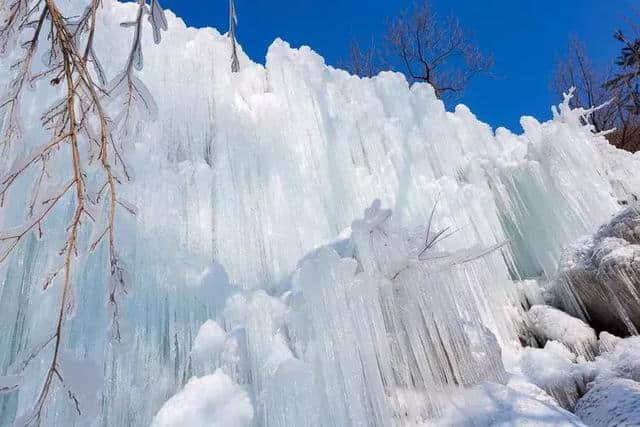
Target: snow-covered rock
<point>548,323</point>
<point>613,397</point>
<point>561,350</point>
<point>599,277</point>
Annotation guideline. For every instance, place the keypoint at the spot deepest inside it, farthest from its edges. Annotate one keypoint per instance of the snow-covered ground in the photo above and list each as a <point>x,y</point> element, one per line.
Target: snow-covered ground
<point>261,295</point>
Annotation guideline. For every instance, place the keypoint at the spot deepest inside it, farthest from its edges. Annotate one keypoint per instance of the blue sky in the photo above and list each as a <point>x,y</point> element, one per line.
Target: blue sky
<point>526,37</point>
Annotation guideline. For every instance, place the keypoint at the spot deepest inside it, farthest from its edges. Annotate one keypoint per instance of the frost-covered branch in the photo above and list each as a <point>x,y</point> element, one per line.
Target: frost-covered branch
<point>126,87</point>
<point>424,252</point>
<point>82,133</point>
<point>18,20</point>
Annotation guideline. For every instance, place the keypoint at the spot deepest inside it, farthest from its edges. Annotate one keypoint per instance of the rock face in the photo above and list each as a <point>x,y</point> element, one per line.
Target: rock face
<point>599,277</point>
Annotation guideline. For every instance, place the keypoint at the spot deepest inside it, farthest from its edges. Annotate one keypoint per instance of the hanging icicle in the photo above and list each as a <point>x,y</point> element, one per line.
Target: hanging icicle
<point>233,22</point>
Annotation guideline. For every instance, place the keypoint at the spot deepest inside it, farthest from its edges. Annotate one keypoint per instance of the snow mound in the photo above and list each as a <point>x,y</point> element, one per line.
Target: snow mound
<point>210,401</point>
<point>548,323</point>
<point>613,402</point>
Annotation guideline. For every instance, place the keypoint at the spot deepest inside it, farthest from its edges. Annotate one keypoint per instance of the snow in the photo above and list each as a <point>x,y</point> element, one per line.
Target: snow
<point>621,361</point>
<point>530,293</point>
<point>602,392</point>
<point>611,402</point>
<point>556,374</point>
<point>561,350</point>
<point>242,185</point>
<point>209,342</point>
<point>498,405</point>
<point>210,401</point>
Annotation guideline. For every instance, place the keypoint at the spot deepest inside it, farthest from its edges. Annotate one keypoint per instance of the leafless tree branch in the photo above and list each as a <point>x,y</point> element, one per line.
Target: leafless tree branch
<point>71,122</point>
<point>592,90</point>
<point>435,51</point>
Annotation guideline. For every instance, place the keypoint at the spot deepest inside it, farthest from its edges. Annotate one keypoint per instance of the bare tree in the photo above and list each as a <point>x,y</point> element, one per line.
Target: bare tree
<point>363,63</point>
<point>628,76</point>
<point>80,128</point>
<point>577,70</point>
<point>233,22</point>
<point>439,52</point>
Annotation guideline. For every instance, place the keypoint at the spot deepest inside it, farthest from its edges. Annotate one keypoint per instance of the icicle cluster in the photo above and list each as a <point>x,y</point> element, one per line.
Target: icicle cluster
<point>375,330</point>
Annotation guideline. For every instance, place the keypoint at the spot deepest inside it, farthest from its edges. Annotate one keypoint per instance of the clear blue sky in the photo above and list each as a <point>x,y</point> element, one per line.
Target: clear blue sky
<point>526,37</point>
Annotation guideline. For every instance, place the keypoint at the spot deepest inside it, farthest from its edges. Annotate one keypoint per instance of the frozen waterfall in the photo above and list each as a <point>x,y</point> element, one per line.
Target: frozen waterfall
<point>262,293</point>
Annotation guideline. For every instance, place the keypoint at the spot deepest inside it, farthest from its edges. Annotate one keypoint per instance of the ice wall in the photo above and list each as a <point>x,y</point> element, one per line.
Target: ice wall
<point>256,169</point>
<point>375,330</point>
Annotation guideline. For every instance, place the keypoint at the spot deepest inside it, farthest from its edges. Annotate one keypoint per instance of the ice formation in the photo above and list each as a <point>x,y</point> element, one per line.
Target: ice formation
<point>261,171</point>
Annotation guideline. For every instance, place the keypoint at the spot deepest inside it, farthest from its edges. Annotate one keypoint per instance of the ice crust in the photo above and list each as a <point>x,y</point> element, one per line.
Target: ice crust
<point>240,183</point>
